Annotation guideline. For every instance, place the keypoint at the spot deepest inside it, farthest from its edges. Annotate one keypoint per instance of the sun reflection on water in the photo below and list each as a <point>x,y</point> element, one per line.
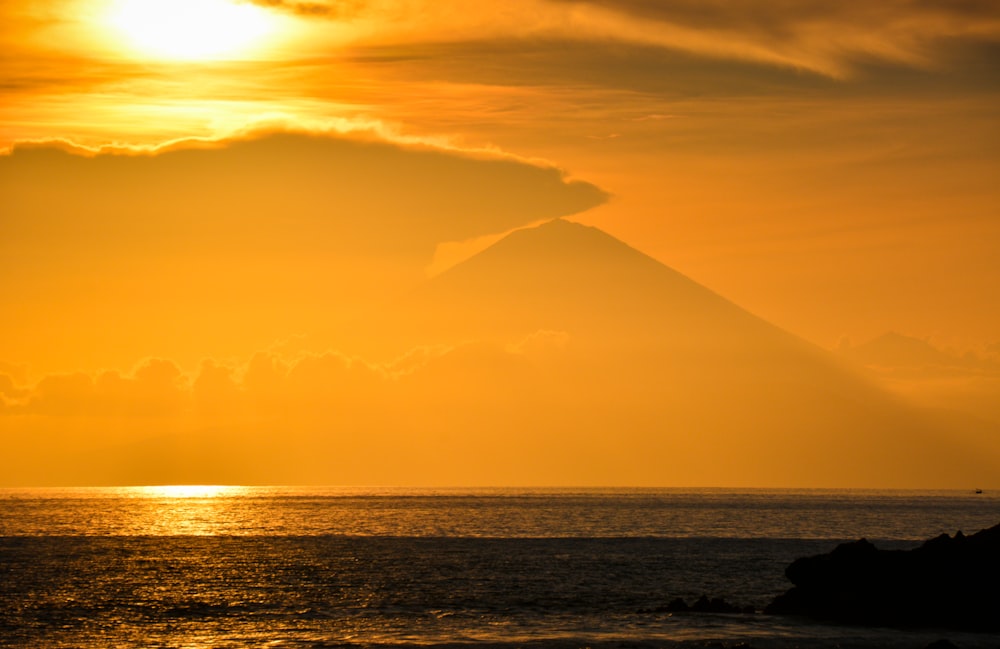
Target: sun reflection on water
<point>187,491</point>
<point>184,510</point>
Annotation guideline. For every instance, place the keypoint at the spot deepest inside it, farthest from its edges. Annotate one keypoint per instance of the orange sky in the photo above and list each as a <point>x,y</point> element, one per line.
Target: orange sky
<point>830,169</point>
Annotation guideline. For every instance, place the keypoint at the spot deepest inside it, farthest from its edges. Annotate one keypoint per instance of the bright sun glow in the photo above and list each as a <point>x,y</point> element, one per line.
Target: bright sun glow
<point>191,29</point>
<point>187,491</point>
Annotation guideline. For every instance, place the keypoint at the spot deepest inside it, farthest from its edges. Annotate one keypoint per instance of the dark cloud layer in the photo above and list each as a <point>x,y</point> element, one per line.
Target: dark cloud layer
<point>247,240</point>
<point>344,194</point>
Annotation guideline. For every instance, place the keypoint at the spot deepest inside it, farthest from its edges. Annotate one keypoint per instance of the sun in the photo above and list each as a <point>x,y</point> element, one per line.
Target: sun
<point>191,30</point>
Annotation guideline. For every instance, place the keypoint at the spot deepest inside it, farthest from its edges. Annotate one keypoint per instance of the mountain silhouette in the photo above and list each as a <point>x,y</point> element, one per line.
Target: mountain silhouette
<point>657,375</point>
<point>563,275</point>
<point>559,356</point>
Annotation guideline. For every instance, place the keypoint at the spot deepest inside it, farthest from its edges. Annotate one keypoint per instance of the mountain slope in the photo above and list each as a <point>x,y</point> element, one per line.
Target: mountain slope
<point>661,379</point>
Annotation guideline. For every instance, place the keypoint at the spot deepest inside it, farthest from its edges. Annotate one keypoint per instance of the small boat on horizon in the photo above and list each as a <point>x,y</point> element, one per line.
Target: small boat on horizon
<point>979,491</point>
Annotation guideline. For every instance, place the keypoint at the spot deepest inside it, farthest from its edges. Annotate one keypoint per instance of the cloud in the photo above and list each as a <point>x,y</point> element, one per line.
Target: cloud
<point>64,395</point>
<point>541,343</point>
<point>940,377</point>
<point>233,243</point>
<point>828,38</point>
<point>471,413</point>
<point>9,389</point>
<point>215,390</point>
<point>899,352</point>
<point>275,383</point>
<point>156,388</point>
<point>18,373</point>
<point>313,9</point>
<point>350,189</point>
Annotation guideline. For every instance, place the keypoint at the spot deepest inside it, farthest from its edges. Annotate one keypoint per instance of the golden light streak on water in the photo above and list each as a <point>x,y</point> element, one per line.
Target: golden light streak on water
<point>187,491</point>
<point>184,510</point>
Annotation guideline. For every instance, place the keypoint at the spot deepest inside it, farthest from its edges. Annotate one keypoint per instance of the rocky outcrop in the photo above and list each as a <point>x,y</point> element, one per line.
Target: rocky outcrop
<point>948,582</point>
<point>702,605</point>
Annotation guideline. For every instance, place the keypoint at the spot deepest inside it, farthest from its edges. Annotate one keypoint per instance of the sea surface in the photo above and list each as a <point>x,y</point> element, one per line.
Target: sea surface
<point>233,567</point>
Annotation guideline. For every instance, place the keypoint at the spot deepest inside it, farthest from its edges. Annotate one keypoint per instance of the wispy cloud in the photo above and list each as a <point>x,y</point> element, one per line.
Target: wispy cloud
<point>313,9</point>
<point>827,38</point>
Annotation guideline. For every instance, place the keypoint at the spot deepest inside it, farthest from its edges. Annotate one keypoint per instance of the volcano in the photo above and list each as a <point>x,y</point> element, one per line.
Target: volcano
<point>591,358</point>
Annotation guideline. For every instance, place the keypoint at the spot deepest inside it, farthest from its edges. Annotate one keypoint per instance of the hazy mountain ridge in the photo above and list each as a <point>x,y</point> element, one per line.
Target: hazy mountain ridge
<point>557,356</point>
<point>965,383</point>
<point>896,350</point>
<point>683,364</point>
<point>565,275</point>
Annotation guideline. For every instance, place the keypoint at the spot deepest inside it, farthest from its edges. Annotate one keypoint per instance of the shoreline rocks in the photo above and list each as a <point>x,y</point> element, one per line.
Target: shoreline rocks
<point>947,582</point>
<point>702,605</point>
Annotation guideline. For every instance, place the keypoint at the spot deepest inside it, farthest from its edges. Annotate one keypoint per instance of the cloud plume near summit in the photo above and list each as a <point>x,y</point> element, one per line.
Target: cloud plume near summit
<point>239,245</point>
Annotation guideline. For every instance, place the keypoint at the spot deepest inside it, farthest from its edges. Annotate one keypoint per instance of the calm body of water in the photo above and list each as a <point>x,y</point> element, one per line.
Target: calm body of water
<point>343,567</point>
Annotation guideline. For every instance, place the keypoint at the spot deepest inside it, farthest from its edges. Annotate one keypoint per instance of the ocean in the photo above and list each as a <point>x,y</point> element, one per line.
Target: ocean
<point>234,567</point>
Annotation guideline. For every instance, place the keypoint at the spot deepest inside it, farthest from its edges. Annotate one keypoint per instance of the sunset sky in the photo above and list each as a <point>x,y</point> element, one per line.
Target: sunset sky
<point>199,194</point>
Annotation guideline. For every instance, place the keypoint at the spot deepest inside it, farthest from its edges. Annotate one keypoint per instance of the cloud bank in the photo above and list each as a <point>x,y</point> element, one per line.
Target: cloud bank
<point>937,377</point>
<point>277,383</point>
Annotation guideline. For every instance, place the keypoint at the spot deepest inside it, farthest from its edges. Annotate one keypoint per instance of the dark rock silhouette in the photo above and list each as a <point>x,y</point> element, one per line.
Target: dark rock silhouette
<point>948,582</point>
<point>943,643</point>
<point>718,605</point>
<point>678,605</point>
<point>703,605</point>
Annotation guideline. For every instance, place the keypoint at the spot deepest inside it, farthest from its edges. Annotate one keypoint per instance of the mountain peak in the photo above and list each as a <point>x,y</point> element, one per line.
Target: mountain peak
<point>655,375</point>
<point>561,255</point>
<point>568,276</point>
<point>558,240</point>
